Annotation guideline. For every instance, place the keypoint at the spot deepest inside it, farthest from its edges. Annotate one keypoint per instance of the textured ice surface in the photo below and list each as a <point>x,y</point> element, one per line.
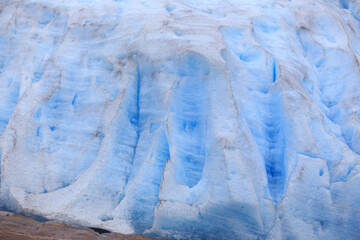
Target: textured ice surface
<point>185,119</point>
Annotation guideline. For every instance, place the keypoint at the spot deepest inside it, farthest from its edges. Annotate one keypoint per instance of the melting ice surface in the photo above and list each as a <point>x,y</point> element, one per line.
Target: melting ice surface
<point>184,119</point>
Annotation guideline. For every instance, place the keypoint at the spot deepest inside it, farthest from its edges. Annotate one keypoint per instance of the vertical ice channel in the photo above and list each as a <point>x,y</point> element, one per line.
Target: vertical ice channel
<point>274,155</point>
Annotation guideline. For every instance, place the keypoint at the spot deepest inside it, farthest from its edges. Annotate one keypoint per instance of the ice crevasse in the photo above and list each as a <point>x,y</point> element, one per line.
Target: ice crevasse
<point>184,119</point>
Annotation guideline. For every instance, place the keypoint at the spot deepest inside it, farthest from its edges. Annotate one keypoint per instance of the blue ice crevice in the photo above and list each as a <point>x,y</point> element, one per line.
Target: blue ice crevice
<point>330,81</point>
<point>266,107</point>
<point>145,196</point>
<point>118,161</point>
<point>124,135</point>
<point>134,111</point>
<point>142,194</point>
<point>274,70</point>
<point>274,156</point>
<point>189,107</point>
<point>344,4</point>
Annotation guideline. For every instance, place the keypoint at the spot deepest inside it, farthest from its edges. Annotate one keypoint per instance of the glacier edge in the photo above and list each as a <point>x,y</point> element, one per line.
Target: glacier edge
<point>212,120</point>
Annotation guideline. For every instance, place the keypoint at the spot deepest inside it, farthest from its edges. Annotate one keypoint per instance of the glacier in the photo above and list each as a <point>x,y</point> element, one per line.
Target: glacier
<point>214,119</point>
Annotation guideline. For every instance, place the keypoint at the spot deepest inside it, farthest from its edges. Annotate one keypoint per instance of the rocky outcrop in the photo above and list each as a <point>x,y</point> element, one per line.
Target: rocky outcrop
<point>15,227</point>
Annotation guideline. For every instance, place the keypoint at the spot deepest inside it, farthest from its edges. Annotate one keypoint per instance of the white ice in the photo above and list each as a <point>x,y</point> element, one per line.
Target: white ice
<point>235,119</point>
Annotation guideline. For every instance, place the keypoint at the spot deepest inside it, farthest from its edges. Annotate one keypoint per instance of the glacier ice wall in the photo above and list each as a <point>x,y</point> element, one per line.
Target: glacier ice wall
<point>212,120</point>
